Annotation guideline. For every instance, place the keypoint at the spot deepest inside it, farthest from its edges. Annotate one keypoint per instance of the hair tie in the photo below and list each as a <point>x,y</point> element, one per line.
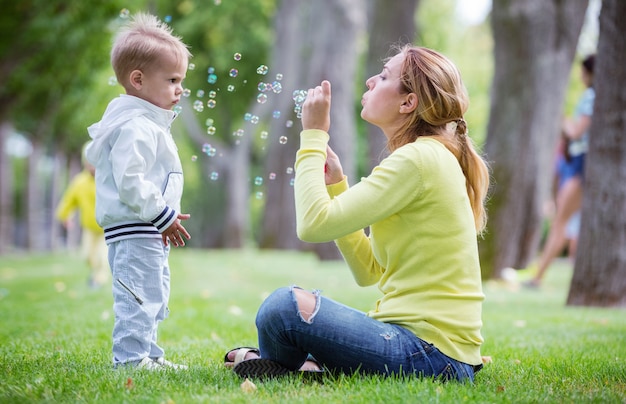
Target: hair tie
<point>452,125</point>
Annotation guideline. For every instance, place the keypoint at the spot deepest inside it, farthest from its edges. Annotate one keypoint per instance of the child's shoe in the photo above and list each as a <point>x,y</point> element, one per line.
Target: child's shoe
<point>167,364</point>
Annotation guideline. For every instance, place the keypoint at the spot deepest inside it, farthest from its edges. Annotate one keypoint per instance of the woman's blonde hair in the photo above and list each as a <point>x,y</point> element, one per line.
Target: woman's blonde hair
<point>442,101</point>
<point>140,43</point>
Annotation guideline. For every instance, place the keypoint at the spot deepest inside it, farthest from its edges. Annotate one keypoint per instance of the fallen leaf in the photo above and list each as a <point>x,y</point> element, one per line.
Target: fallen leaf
<point>129,384</point>
<point>247,386</point>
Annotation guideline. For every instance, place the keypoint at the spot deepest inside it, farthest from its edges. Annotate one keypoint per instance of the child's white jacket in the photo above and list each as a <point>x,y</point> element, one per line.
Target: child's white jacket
<point>139,177</point>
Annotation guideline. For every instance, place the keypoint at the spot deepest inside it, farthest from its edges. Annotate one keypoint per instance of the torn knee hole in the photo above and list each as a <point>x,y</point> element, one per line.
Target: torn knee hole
<point>307,304</point>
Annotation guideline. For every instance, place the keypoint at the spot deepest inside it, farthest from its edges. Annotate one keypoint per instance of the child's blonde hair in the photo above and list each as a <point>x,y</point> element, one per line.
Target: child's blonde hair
<point>139,44</point>
<point>442,102</point>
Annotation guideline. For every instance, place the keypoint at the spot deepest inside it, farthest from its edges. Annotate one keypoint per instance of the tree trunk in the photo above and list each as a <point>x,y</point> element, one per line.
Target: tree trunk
<point>34,200</point>
<point>331,54</point>
<point>390,23</point>
<point>208,204</point>
<point>600,270</point>
<point>7,222</point>
<point>278,225</point>
<point>534,45</point>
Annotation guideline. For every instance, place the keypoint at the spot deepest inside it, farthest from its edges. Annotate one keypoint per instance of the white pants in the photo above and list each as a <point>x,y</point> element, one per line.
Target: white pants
<point>141,290</point>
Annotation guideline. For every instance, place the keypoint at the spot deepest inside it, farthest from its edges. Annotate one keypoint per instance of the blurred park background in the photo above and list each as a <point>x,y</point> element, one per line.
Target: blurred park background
<point>238,127</point>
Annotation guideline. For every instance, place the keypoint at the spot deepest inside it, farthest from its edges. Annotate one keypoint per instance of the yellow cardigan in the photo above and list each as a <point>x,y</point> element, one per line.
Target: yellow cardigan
<point>422,249</point>
<point>81,195</point>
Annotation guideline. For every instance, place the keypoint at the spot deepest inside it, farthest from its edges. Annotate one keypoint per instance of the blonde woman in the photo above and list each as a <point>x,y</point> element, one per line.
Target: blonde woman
<point>424,207</point>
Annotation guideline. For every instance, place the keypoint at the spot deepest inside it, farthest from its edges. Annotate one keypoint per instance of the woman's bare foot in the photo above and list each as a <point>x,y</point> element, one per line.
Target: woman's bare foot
<point>232,356</point>
<point>310,366</point>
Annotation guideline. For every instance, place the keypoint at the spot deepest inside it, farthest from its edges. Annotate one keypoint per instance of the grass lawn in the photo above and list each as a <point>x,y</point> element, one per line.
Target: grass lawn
<point>55,337</point>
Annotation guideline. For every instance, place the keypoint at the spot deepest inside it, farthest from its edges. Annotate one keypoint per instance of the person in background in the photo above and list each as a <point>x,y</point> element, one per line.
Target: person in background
<point>424,206</point>
<point>569,196</point>
<point>80,196</point>
<point>139,185</point>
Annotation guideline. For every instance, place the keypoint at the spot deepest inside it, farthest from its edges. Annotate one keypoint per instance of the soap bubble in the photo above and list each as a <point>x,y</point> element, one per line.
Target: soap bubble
<point>282,140</point>
<point>186,92</point>
<point>237,56</point>
<point>198,105</point>
<point>262,70</point>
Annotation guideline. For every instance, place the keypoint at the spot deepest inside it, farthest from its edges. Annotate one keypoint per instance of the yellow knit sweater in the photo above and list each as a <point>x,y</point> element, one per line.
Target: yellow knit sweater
<point>422,248</point>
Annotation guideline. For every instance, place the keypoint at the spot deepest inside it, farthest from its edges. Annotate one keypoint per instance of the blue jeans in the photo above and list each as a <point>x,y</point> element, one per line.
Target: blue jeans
<point>346,340</point>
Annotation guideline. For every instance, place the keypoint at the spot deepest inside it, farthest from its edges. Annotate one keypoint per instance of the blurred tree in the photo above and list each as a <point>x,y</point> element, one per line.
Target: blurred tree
<point>333,29</point>
<point>535,43</point>
<point>229,43</point>
<point>47,48</point>
<point>600,270</point>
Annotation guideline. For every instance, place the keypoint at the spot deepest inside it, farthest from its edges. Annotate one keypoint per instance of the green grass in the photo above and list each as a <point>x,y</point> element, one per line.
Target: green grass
<point>55,337</point>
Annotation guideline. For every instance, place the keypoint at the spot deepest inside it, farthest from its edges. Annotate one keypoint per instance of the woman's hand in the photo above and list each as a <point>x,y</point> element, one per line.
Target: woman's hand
<point>333,172</point>
<point>316,108</point>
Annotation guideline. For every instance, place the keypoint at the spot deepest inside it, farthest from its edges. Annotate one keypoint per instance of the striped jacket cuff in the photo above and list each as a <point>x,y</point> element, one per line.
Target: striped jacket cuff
<point>164,219</point>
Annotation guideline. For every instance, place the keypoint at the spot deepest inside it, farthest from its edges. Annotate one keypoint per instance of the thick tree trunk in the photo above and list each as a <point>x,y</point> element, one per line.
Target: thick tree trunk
<point>331,54</point>
<point>389,23</point>
<point>535,43</point>
<point>278,226</point>
<point>600,270</point>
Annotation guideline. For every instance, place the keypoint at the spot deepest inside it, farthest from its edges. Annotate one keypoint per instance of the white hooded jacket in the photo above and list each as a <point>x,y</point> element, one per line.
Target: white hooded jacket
<point>139,177</point>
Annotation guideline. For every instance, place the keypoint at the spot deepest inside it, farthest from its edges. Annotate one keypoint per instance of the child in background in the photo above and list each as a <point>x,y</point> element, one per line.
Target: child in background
<point>81,195</point>
<point>139,184</point>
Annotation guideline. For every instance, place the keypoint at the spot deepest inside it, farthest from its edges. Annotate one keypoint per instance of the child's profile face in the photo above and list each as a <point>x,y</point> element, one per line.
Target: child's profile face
<point>161,85</point>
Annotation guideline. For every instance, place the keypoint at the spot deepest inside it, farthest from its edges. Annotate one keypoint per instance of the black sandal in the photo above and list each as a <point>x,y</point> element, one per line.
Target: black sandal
<point>268,369</point>
<point>242,351</point>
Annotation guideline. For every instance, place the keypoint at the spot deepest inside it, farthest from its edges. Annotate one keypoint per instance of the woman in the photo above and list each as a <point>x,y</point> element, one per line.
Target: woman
<point>424,206</point>
<point>570,191</point>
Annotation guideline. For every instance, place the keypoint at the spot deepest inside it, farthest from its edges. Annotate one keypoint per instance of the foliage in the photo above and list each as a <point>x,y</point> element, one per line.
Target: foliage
<point>55,338</point>
<point>50,59</point>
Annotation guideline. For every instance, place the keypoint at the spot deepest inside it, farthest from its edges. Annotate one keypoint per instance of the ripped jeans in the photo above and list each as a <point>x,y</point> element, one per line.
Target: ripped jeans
<point>345,340</point>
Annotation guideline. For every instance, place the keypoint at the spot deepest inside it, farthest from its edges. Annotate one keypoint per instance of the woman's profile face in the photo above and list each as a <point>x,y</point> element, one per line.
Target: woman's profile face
<point>383,99</point>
